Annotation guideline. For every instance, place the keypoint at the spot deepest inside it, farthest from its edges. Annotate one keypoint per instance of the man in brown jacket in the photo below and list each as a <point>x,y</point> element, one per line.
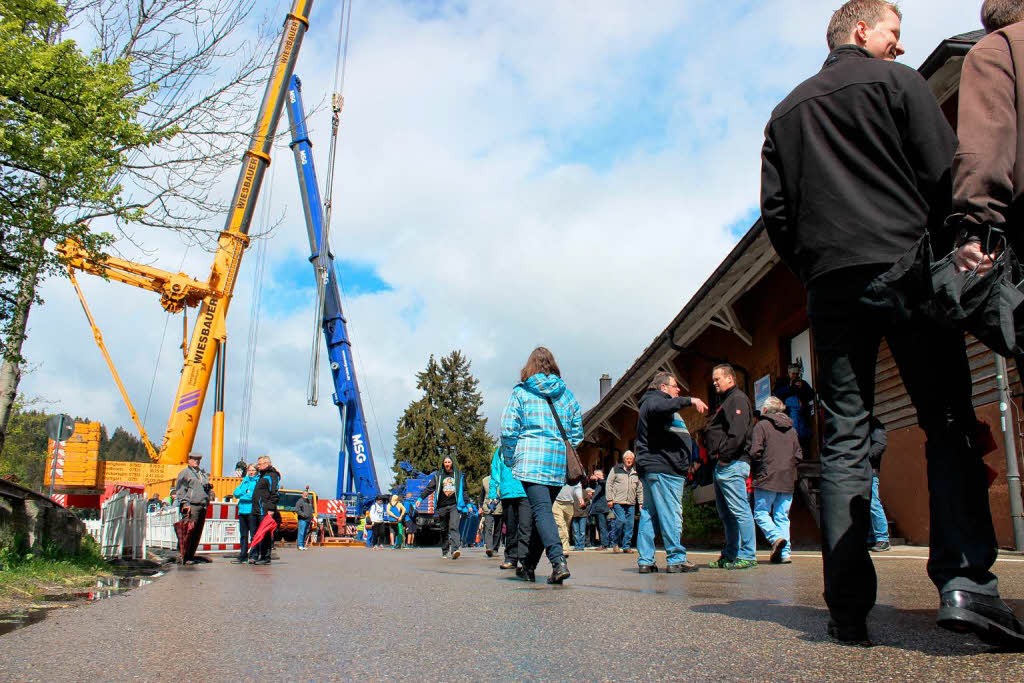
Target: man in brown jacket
<point>988,183</point>
<point>775,452</point>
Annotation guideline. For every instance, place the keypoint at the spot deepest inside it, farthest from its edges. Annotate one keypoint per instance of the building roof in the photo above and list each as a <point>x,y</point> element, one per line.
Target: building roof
<point>746,264</point>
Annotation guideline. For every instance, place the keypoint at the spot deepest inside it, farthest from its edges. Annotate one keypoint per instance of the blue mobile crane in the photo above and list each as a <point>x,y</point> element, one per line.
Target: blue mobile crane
<point>357,476</point>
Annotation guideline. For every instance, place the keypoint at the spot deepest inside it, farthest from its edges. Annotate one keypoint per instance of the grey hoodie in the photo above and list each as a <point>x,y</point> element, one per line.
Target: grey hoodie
<point>192,487</point>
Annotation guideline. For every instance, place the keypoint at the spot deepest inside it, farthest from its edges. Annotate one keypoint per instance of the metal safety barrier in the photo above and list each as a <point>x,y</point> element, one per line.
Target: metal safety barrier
<point>220,532</point>
<point>122,533</point>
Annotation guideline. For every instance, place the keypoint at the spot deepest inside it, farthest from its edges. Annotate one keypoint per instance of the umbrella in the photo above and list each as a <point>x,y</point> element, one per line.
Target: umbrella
<point>184,528</point>
<point>983,305</point>
<point>267,526</point>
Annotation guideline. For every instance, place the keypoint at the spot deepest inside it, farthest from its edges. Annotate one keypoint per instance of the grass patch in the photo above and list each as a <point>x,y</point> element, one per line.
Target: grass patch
<point>27,573</point>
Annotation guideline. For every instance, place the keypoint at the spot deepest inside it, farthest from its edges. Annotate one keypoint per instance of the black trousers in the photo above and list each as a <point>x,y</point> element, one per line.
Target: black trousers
<point>245,531</point>
<point>850,312</point>
<point>492,531</point>
<point>518,528</point>
<point>600,522</point>
<point>449,517</point>
<point>262,550</point>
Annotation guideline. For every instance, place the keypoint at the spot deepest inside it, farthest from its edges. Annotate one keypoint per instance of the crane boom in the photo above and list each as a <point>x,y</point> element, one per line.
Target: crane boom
<point>210,331</point>
<point>356,470</point>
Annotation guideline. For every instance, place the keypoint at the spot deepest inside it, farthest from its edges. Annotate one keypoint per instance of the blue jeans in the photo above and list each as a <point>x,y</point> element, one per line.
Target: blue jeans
<point>579,531</point>
<point>300,538</point>
<point>734,510</point>
<point>771,512</point>
<point>663,505</point>
<point>622,527</point>
<point>879,524</point>
<point>545,532</point>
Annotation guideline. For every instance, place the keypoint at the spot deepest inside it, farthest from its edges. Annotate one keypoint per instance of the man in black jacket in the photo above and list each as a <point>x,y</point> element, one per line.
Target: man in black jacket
<point>264,502</point>
<point>728,435</point>
<point>855,169</point>
<point>662,458</point>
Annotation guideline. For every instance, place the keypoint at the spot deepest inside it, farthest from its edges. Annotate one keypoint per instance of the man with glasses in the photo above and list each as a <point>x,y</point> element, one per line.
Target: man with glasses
<point>728,436</point>
<point>663,451</point>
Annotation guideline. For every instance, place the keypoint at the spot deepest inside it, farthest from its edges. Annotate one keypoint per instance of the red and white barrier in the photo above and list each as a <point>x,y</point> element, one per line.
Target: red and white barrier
<point>220,531</point>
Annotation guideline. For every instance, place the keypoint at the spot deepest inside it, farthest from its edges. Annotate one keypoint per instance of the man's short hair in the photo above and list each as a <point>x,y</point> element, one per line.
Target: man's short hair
<point>772,404</point>
<point>726,368</point>
<point>660,378</point>
<point>845,19</point>
<point>263,458</point>
<point>997,14</point>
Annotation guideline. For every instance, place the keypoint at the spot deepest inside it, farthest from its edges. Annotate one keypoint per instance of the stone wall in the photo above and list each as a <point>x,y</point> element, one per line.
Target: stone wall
<point>38,519</point>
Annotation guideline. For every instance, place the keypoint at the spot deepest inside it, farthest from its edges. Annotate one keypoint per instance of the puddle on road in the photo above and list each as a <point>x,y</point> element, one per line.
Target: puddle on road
<point>106,587</point>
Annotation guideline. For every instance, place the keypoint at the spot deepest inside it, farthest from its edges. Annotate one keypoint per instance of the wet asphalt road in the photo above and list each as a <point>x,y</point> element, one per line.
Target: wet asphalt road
<point>348,614</point>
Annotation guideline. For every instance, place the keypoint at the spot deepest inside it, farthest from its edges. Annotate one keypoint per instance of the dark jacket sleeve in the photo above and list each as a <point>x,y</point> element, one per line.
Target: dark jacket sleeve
<point>878,443</point>
<point>429,488</point>
<point>738,421</point>
<point>983,168</point>
<point>773,200</point>
<point>662,404</point>
<point>274,496</point>
<point>758,442</point>
<point>929,143</point>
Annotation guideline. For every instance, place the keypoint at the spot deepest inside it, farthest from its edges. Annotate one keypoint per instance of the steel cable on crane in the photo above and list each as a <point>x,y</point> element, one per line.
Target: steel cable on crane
<point>255,308</point>
<point>322,264</point>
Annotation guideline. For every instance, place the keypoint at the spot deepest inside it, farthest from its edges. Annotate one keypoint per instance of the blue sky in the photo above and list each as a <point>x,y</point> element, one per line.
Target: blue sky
<point>508,172</point>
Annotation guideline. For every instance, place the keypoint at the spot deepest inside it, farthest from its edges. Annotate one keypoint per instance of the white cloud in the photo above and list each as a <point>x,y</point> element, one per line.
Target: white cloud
<point>453,180</point>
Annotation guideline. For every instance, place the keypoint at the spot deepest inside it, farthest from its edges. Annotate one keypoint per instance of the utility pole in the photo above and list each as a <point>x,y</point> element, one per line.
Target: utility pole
<point>1012,464</point>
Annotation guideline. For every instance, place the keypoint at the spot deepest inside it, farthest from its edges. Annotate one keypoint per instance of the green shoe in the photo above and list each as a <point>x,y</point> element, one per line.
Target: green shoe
<point>742,564</point>
<point>720,563</point>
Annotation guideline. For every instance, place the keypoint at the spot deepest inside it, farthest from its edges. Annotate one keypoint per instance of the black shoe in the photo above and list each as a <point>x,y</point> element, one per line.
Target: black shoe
<point>986,616</point>
<point>559,573</point>
<point>507,565</point>
<point>681,568</point>
<point>777,548</point>
<point>238,560</point>
<point>262,562</point>
<point>526,574</point>
<point>489,553</point>
<point>881,547</point>
<point>853,634</point>
<point>648,569</point>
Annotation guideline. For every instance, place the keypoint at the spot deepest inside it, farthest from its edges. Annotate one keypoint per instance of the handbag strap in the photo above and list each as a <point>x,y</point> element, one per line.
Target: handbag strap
<point>558,420</point>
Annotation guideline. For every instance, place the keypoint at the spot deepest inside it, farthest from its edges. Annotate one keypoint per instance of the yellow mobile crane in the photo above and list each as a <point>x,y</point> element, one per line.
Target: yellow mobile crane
<point>205,351</point>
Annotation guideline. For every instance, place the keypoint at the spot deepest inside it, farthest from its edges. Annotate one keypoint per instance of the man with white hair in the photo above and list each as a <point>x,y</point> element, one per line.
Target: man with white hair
<point>775,453</point>
<point>624,493</point>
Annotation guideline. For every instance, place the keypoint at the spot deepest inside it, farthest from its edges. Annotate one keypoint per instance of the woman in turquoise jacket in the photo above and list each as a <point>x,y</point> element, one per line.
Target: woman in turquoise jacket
<point>532,446</point>
<point>515,510</point>
<point>243,493</point>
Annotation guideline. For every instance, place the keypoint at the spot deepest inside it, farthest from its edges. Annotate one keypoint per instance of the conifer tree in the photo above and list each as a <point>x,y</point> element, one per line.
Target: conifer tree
<point>445,420</point>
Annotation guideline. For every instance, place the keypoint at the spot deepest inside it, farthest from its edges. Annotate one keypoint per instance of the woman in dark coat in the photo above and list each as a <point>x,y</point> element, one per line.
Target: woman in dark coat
<point>775,452</point>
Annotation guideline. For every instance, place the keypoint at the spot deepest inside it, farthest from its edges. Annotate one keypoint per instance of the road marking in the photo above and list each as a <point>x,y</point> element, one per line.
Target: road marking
<point>874,556</point>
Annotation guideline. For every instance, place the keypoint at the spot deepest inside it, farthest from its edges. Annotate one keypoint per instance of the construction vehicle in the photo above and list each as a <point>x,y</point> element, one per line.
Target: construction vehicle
<point>204,356</point>
<point>357,482</point>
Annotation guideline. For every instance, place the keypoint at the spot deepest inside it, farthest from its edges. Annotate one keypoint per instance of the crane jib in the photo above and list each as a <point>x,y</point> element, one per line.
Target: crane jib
<point>205,325</point>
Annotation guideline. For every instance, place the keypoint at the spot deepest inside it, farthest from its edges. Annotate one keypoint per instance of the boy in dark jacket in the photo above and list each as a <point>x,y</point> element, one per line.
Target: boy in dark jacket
<point>663,457</point>
<point>856,167</point>
<point>775,452</point>
<point>728,435</point>
<point>447,484</point>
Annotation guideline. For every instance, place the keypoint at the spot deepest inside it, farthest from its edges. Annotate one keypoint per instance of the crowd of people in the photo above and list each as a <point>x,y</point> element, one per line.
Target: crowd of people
<point>863,179</point>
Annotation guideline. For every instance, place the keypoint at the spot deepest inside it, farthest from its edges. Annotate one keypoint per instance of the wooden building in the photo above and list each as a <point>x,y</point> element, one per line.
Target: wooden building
<point>752,313</point>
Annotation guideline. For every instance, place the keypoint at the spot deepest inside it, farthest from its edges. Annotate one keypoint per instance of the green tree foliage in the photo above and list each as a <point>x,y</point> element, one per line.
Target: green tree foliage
<point>67,120</point>
<point>24,455</point>
<point>446,420</point>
